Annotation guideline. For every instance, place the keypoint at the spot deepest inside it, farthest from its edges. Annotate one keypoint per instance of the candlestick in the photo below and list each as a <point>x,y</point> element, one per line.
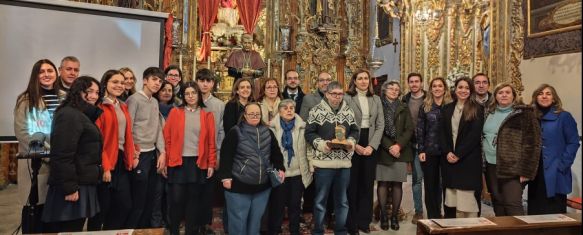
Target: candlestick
<point>208,62</point>
<point>268,68</point>
<point>282,71</point>
<point>194,68</point>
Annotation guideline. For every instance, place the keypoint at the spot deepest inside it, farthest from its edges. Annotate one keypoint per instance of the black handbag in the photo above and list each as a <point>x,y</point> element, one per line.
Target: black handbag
<point>31,219</point>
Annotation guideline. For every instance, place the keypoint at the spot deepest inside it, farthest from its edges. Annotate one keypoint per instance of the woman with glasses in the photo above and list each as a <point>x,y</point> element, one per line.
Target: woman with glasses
<point>395,153</point>
<point>429,143</point>
<point>244,170</point>
<point>269,98</point>
<point>189,136</point>
<point>367,108</point>
<point>174,76</point>
<point>240,96</point>
<point>462,161</point>
<point>76,146</point>
<point>129,83</point>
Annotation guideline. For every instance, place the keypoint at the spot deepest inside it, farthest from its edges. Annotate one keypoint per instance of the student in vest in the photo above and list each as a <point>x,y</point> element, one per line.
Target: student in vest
<point>147,126</point>
<point>189,134</point>
<point>118,158</point>
<point>206,81</point>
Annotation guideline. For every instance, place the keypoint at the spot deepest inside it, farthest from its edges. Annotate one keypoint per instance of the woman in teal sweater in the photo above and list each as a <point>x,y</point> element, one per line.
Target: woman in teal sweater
<point>511,145</point>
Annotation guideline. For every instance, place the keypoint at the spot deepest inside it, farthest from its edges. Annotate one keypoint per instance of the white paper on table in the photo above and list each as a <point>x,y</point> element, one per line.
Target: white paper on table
<point>463,222</point>
<point>106,232</point>
<point>533,219</point>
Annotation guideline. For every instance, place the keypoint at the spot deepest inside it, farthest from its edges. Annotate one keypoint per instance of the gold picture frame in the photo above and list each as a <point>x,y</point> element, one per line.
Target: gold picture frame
<point>551,18</point>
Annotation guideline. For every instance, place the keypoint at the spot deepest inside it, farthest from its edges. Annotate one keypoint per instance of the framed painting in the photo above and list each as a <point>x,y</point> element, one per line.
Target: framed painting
<point>552,27</point>
<point>551,16</point>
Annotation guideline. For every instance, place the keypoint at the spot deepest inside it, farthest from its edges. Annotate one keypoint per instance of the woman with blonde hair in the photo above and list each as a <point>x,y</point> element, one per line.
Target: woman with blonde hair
<point>511,146</point>
<point>429,145</point>
<point>129,83</point>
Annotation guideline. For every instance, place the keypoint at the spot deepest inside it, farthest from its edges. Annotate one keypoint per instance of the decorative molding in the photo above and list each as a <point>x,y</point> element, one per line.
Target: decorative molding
<point>517,45</point>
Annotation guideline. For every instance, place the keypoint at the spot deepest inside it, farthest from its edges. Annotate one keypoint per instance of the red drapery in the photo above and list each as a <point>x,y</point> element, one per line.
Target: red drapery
<point>207,13</point>
<point>249,13</point>
<point>167,41</point>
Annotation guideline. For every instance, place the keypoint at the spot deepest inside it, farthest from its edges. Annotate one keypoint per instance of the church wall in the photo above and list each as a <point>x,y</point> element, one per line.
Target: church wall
<point>388,53</point>
<point>564,73</point>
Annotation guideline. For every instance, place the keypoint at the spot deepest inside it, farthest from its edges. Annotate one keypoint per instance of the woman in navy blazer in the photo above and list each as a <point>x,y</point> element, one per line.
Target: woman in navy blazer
<point>547,193</point>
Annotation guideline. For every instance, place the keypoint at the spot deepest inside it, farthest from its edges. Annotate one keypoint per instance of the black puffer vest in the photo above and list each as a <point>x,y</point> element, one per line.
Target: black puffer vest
<point>251,160</point>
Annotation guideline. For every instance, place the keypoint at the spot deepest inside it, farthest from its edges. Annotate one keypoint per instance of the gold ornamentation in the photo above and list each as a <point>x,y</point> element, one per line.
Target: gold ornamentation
<point>517,45</point>
<point>452,20</point>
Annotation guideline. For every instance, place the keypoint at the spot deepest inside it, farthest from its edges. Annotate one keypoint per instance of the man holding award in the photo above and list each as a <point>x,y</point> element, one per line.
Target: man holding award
<point>332,133</point>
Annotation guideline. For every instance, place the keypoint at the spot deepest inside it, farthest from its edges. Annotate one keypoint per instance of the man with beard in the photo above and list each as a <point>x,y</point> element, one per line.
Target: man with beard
<point>292,89</point>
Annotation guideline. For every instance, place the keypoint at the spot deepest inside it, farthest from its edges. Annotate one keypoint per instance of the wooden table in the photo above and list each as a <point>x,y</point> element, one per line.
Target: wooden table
<point>147,231</point>
<point>507,225</point>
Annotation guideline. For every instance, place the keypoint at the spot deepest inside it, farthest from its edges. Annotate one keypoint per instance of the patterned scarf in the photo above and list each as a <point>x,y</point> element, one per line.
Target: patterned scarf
<point>390,112</point>
<point>286,138</point>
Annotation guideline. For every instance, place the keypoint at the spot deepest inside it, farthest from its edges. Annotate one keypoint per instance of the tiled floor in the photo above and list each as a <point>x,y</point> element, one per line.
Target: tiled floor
<point>10,212</point>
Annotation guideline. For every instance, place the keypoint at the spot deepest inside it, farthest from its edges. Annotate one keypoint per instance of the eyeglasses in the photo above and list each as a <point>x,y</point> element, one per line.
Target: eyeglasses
<point>335,94</point>
<point>271,87</point>
<point>253,115</point>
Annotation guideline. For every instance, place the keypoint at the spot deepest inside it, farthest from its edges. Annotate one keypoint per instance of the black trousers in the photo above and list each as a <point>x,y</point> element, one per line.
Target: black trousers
<point>361,188</point>
<point>143,185</point>
<point>288,194</point>
<point>65,226</point>
<point>160,205</point>
<point>185,202</point>
<point>208,198</point>
<point>115,200</point>
<point>506,193</point>
<point>538,202</point>
<point>432,185</point>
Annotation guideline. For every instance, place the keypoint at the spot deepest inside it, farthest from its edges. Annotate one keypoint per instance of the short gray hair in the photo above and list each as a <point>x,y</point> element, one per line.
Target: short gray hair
<point>286,102</point>
<point>334,85</point>
<point>386,85</point>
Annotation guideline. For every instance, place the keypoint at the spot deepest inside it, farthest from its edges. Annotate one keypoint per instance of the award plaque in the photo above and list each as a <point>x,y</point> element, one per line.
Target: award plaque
<point>340,141</point>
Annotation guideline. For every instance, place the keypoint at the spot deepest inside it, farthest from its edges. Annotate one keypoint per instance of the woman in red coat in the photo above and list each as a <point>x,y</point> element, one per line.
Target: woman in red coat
<point>118,156</point>
<point>189,135</point>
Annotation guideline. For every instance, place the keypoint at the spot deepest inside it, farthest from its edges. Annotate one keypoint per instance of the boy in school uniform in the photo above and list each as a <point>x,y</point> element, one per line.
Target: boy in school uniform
<point>147,132</point>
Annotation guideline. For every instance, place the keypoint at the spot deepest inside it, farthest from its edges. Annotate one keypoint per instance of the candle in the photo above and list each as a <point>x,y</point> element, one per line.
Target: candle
<point>268,68</point>
<point>282,70</point>
<point>194,68</point>
<point>208,62</point>
<point>180,61</point>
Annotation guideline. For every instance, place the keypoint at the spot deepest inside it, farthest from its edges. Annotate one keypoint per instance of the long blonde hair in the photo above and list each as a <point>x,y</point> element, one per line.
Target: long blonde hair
<point>429,99</point>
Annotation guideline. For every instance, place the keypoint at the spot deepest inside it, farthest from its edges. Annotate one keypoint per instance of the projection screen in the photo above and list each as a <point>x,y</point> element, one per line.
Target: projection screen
<point>101,37</point>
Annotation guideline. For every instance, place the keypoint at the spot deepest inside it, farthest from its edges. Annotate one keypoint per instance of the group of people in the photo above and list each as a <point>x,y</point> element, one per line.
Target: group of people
<point>160,156</point>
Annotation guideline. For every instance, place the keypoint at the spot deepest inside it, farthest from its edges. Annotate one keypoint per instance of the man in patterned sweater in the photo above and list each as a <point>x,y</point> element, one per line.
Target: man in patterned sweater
<point>331,166</point>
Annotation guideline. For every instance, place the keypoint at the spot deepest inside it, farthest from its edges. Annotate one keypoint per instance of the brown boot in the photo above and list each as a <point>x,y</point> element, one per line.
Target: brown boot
<point>416,217</point>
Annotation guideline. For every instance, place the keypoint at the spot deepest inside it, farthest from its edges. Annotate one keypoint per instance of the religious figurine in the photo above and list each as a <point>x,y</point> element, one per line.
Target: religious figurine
<point>246,63</point>
<point>339,142</point>
<point>228,13</point>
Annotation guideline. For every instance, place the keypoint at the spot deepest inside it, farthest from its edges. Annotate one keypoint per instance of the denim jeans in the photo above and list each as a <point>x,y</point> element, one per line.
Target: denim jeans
<point>417,183</point>
<point>245,211</point>
<point>337,180</point>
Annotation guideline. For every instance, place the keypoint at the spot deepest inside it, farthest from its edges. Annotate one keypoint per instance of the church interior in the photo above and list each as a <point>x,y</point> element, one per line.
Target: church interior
<point>522,42</point>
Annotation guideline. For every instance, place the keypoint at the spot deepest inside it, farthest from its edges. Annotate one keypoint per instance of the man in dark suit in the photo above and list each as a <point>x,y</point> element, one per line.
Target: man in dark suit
<point>292,89</point>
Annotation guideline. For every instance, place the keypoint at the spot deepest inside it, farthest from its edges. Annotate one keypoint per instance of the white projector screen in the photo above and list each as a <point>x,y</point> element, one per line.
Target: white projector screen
<point>100,37</point>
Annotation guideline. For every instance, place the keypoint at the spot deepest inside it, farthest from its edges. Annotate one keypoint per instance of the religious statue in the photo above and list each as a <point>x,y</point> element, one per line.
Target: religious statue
<point>246,63</point>
<point>228,13</point>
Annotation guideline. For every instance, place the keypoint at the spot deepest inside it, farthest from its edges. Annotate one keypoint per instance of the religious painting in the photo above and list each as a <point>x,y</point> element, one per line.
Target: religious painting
<point>553,27</point>
<point>385,28</point>
<point>552,16</point>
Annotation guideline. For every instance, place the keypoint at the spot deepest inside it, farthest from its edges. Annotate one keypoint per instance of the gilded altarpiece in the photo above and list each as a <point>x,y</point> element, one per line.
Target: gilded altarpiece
<point>467,35</point>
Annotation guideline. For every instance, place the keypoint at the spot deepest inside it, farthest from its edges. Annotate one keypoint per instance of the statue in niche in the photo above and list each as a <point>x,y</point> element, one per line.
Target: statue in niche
<point>484,40</point>
<point>228,13</point>
<point>323,9</point>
